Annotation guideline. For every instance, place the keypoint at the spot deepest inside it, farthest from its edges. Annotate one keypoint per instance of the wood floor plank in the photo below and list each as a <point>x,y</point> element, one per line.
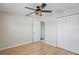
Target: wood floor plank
<point>37,48</point>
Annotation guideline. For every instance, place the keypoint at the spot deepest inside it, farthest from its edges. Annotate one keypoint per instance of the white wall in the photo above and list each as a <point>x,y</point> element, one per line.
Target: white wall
<point>14,30</point>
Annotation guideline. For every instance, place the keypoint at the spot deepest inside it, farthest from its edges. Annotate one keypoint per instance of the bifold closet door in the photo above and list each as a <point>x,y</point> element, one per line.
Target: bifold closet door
<point>68,33</point>
<point>75,34</point>
<point>63,33</point>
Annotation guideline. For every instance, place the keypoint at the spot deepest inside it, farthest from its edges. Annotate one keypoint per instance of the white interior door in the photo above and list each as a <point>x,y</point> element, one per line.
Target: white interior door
<point>36,31</point>
<point>63,33</point>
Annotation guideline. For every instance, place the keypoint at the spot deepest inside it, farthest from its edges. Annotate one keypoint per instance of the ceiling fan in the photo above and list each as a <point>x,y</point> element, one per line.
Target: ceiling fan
<point>39,10</point>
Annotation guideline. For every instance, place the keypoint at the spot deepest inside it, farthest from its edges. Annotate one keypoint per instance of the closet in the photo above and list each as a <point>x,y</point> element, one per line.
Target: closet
<point>68,33</point>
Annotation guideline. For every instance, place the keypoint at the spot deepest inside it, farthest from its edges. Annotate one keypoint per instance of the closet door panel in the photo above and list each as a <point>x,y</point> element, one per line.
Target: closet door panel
<point>60,32</point>
<point>67,33</point>
<point>64,33</point>
<point>75,34</point>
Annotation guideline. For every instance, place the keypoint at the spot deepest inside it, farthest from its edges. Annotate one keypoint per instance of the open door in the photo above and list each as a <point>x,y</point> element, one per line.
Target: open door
<point>36,31</point>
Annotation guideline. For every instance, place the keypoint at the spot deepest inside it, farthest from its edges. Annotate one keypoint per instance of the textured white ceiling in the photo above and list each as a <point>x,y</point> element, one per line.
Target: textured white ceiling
<point>18,8</point>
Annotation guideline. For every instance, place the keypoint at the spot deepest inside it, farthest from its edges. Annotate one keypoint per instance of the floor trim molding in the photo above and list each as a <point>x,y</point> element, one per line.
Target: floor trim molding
<point>14,46</point>
<point>50,43</point>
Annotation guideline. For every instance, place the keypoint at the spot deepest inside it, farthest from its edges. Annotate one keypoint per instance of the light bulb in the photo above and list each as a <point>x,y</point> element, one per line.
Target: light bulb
<point>40,13</point>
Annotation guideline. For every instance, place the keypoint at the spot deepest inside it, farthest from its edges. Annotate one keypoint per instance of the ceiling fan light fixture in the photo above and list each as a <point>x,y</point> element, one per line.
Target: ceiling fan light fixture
<point>38,13</point>
<point>39,9</point>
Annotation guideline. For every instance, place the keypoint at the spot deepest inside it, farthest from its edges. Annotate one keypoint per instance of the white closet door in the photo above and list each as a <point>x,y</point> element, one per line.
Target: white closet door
<point>75,34</point>
<point>63,33</point>
<point>68,33</point>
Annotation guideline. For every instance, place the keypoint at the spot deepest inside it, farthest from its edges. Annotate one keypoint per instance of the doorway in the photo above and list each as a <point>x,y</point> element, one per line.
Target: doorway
<point>38,30</point>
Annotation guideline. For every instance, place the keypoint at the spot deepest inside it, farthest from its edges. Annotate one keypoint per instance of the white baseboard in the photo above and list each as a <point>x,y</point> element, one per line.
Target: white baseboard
<point>25,43</point>
<point>50,43</point>
<point>14,46</point>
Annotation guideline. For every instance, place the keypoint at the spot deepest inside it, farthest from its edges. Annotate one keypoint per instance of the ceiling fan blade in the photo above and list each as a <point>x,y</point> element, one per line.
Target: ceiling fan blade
<point>30,8</point>
<point>43,5</point>
<point>30,14</point>
<point>49,11</point>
